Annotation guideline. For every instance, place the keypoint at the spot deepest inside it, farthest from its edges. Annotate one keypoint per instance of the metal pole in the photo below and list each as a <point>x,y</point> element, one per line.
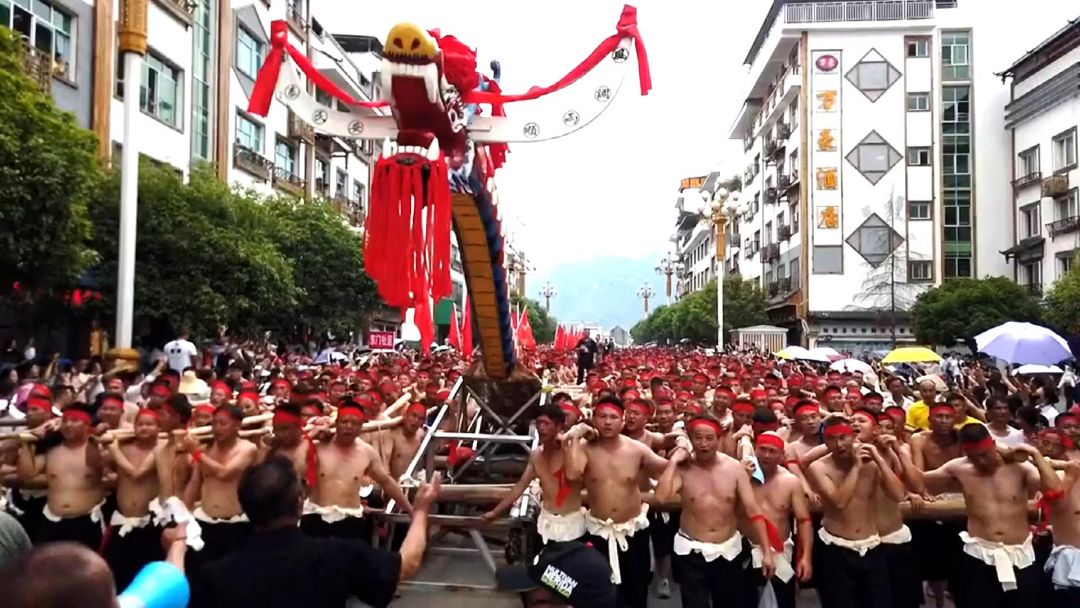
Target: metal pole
<point>132,45</point>
<point>721,251</point>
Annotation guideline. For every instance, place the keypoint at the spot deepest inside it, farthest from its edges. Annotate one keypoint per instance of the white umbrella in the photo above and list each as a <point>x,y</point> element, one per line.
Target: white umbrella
<point>801,354</point>
<point>1031,369</point>
<point>1023,343</point>
<point>852,365</point>
<point>828,353</point>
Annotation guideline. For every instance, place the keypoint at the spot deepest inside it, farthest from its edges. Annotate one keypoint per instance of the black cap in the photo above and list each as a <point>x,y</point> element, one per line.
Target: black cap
<point>571,570</point>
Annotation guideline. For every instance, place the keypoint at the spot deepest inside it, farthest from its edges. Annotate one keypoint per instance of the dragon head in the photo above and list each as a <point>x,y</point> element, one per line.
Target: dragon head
<point>426,104</point>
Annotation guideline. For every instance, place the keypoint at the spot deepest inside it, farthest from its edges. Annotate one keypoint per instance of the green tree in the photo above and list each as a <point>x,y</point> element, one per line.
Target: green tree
<point>328,267</point>
<point>1063,302</point>
<point>197,264</point>
<point>48,173</point>
<point>543,324</point>
<point>693,317</point>
<point>959,309</point>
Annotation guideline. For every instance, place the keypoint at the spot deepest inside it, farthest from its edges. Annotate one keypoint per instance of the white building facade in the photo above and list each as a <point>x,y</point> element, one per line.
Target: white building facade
<point>1042,118</point>
<point>865,172</point>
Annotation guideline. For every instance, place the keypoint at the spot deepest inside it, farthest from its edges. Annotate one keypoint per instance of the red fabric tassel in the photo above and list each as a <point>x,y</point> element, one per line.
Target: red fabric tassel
<point>627,26</point>
<point>311,464</point>
<point>563,492</point>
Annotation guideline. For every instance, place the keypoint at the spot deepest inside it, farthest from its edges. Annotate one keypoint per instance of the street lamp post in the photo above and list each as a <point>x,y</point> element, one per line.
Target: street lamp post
<point>646,292</point>
<point>667,267</point>
<point>548,291</point>
<point>722,208</point>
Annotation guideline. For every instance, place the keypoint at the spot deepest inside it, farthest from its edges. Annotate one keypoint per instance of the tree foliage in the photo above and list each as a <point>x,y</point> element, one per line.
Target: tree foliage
<point>959,309</point>
<point>693,318</point>
<point>48,173</point>
<point>543,324</point>
<point>1063,302</point>
<point>207,255</point>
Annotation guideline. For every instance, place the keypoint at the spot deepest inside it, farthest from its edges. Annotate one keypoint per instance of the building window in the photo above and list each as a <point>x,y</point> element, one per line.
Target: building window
<point>162,87</point>
<point>1066,206</point>
<point>1064,265</point>
<point>285,156</point>
<point>918,47</point>
<point>1031,276</point>
<point>1028,162</point>
<point>828,259</point>
<point>956,180</point>
<point>201,76</point>
<point>322,176</point>
<point>341,185</point>
<point>918,157</point>
<point>956,56</point>
<point>873,157</point>
<point>874,240</point>
<point>1029,221</point>
<point>1065,150</point>
<point>920,210</point>
<point>46,28</point>
<point>249,134</point>
<point>249,52</point>
<point>957,267</point>
<point>873,75</point>
<point>918,102</point>
<point>358,192</point>
<point>920,271</point>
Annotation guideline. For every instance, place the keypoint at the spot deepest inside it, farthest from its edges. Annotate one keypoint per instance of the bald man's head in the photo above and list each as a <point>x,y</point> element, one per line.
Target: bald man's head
<point>58,575</point>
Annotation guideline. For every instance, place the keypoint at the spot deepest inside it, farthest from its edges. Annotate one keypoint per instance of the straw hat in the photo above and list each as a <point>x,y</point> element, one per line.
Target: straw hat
<point>194,387</point>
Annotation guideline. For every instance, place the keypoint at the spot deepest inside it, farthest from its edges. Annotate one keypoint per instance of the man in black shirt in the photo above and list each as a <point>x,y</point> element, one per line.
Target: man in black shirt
<point>281,566</point>
<point>586,349</point>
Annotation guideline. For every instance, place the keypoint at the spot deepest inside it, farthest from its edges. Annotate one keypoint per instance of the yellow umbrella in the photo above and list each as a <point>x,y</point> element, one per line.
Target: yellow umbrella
<point>912,354</point>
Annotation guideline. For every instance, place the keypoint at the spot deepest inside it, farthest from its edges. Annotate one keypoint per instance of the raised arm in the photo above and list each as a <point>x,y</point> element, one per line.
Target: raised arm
<point>1042,476</point>
<point>233,467</point>
<point>760,522</point>
<point>941,480</point>
<point>381,475</point>
<point>513,493</point>
<point>653,463</point>
<point>146,467</point>
<point>575,455</point>
<point>890,483</point>
<point>836,495</point>
<point>670,483</point>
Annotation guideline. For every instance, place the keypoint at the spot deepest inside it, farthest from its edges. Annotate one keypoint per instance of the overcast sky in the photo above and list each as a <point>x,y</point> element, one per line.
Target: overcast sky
<point>609,189</point>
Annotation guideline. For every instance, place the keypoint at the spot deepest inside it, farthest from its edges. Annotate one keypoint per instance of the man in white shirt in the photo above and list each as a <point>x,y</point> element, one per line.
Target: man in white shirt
<point>998,417</point>
<point>181,353</point>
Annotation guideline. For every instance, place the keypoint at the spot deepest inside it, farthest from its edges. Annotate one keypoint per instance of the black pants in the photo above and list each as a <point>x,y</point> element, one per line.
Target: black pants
<point>663,533</point>
<point>755,583</point>
<point>847,580</point>
<point>220,540</point>
<point>907,591</point>
<point>127,554</point>
<point>978,586</point>
<point>31,514</point>
<point>350,527</point>
<point>82,530</point>
<point>582,370</point>
<point>938,549</point>
<point>634,566</point>
<point>716,584</point>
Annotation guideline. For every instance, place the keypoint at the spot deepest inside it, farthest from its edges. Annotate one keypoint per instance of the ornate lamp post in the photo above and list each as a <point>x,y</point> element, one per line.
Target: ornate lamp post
<point>548,291</point>
<point>646,292</point>
<point>721,209</point>
<point>667,267</point>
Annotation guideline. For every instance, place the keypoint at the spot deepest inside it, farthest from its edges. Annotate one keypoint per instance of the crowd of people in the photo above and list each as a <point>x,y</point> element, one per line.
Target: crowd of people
<point>730,475</point>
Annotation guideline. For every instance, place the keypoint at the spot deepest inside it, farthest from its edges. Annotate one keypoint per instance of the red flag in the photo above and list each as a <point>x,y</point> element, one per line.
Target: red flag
<point>524,331</point>
<point>454,339</point>
<point>556,343</point>
<point>466,330</point>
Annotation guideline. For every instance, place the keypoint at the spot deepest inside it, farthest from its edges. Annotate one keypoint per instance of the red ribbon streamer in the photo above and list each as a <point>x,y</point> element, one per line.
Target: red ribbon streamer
<point>266,82</point>
<point>771,532</point>
<point>564,487</point>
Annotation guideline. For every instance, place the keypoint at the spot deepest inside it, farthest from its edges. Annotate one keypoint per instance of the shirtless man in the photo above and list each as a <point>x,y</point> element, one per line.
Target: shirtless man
<point>1063,564</point>
<point>709,549</point>
<point>213,485</point>
<point>344,464</point>
<point>74,470</point>
<point>562,518</point>
<point>288,441</point>
<point>173,472</point>
<point>133,539</point>
<point>611,466</point>
<point>28,495</point>
<point>997,568</point>
<point>403,442</point>
<point>808,419</point>
<point>850,566</point>
<point>781,499</point>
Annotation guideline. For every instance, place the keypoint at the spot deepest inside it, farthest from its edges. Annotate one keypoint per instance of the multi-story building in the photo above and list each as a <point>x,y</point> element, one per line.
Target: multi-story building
<point>1042,117</point>
<point>693,240</point>
<point>863,162</point>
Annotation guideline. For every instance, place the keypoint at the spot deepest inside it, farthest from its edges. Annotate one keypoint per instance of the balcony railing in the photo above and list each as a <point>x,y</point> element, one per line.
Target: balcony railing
<point>770,147</point>
<point>288,181</point>
<point>252,162</point>
<point>1063,226</point>
<point>784,182</point>
<point>771,252</point>
<point>1027,180</point>
<point>783,232</point>
<point>39,66</point>
<point>322,188</point>
<point>1055,185</point>
<point>770,196</point>
<point>294,14</point>
<point>785,285</point>
<point>829,12</point>
<point>783,131</point>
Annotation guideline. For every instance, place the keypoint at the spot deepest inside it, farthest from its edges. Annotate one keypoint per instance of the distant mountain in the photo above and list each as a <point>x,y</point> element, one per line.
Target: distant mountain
<point>601,290</point>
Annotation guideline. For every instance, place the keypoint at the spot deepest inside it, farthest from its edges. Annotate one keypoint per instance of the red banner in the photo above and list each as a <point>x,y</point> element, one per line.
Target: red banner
<point>381,340</point>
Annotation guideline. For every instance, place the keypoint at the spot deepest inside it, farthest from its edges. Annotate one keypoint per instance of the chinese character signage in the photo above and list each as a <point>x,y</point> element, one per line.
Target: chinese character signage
<point>826,116</point>
<point>381,340</point>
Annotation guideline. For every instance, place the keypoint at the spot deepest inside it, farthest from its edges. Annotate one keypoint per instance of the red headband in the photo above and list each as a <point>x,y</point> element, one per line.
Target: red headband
<point>160,390</point>
<point>147,412</point>
<point>809,408</point>
<point>759,393</point>
<point>693,408</point>
<point>641,405</point>
<point>970,447</point>
<point>942,409</point>
<point>867,416</point>
<point>418,406</point>
<point>248,395</point>
<point>618,410</point>
<point>204,409</point>
<point>744,407</point>
<point>703,422</point>
<point>772,439</point>
<point>76,415</point>
<point>39,403</point>
<point>286,417</point>
<point>839,429</point>
<point>765,426</point>
<point>347,411</point>
<point>116,400</point>
<point>570,408</point>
